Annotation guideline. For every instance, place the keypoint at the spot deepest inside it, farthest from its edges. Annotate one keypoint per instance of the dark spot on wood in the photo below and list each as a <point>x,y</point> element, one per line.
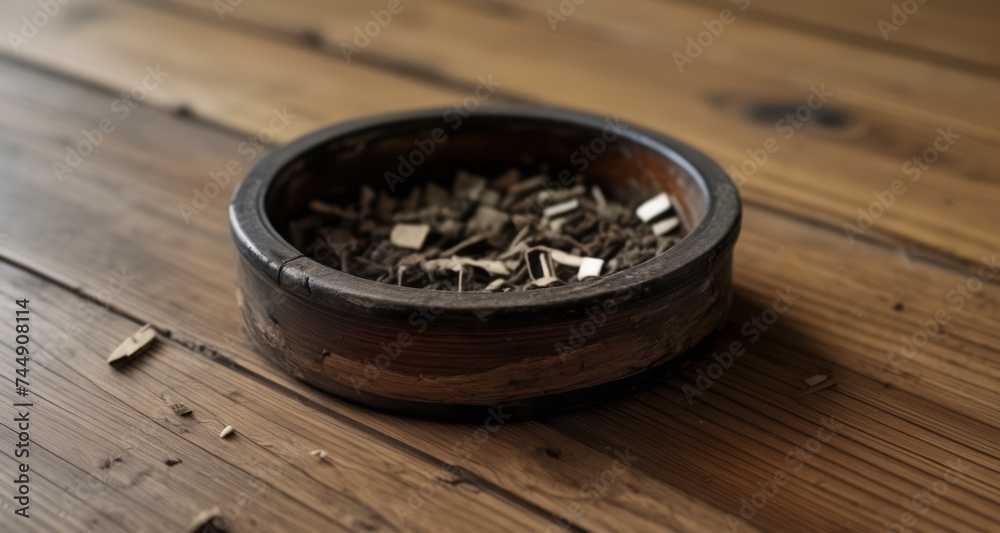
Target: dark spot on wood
<point>140,476</point>
<point>768,113</point>
<point>172,462</point>
<point>832,118</point>
<point>898,306</point>
<point>554,454</point>
<point>106,465</point>
<point>312,39</point>
<point>183,111</point>
<point>365,525</point>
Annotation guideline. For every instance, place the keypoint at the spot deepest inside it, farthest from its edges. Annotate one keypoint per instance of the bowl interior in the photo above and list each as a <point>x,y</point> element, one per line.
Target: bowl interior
<point>416,149</point>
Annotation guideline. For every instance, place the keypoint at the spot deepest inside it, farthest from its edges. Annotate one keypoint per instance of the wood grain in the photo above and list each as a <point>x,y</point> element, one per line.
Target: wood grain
<point>901,422</point>
<point>263,478</point>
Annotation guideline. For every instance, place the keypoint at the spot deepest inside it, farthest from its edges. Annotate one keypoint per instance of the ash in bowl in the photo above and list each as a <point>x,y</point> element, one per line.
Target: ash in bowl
<point>502,234</point>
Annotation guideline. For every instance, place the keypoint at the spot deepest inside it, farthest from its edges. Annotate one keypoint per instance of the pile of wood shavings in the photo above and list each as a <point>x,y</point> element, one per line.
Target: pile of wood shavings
<point>477,234</point>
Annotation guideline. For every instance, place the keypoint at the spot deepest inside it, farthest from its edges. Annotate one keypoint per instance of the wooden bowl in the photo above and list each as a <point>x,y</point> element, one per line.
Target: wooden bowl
<point>451,355</point>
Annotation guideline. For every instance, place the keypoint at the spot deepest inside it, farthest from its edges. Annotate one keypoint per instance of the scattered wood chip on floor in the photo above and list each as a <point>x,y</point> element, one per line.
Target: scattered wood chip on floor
<point>815,380</point>
<point>180,409</point>
<point>319,454</point>
<point>208,522</point>
<point>132,346</point>
<point>817,383</point>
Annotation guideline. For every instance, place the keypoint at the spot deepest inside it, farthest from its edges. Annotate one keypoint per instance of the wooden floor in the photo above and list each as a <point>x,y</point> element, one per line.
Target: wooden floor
<point>902,314</point>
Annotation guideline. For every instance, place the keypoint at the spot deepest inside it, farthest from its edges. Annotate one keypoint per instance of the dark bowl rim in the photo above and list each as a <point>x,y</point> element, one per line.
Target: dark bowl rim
<point>270,254</point>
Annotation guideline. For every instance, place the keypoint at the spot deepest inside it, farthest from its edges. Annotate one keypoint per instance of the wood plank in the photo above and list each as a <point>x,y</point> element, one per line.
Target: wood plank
<point>124,200</point>
<point>947,33</point>
<point>114,428</point>
<point>757,49</point>
<point>725,111</point>
<point>748,47</point>
<point>50,493</point>
<point>199,307</point>
<point>247,86</point>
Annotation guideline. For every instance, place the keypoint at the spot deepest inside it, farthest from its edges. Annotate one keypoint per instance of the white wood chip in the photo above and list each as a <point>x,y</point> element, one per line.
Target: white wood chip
<point>653,207</point>
<point>560,209</point>
<point>455,263</point>
<point>665,226</point>
<point>590,267</point>
<point>226,431</point>
<point>319,454</point>
<point>546,281</point>
<point>133,345</point>
<point>410,236</point>
<point>541,267</point>
<point>815,380</point>
<point>564,258</point>
<point>492,266</point>
<point>494,285</point>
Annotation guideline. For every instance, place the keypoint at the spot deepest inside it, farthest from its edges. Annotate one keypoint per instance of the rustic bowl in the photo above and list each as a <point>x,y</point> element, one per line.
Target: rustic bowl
<point>451,355</point>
